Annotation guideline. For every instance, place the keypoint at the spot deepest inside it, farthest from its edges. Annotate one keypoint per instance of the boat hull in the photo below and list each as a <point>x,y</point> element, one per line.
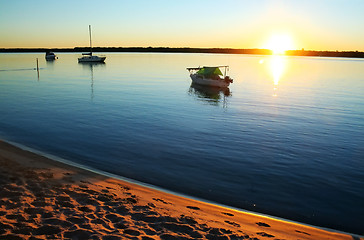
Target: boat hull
<point>50,58</point>
<point>198,79</point>
<point>92,59</point>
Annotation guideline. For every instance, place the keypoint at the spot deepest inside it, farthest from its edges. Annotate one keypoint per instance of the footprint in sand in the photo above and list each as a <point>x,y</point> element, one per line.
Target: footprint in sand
<point>85,209</point>
<point>132,232</point>
<point>262,224</point>
<point>192,207</point>
<point>233,223</point>
<point>152,205</point>
<point>161,200</point>
<point>303,232</point>
<point>188,220</point>
<point>124,188</point>
<point>130,200</point>
<point>228,214</point>
<point>263,234</point>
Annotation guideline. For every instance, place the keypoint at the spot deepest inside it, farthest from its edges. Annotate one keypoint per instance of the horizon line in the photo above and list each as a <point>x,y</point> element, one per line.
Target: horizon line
<point>163,47</point>
<point>254,51</point>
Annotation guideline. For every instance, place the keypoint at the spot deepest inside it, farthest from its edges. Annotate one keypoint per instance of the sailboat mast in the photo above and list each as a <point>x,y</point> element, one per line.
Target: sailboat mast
<point>89,29</point>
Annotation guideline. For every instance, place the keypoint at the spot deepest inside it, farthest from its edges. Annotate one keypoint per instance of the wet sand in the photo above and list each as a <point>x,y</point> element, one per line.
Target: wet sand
<point>44,199</point>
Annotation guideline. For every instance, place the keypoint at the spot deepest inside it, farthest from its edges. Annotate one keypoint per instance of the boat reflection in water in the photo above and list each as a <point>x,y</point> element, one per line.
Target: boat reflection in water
<point>90,66</point>
<point>211,95</point>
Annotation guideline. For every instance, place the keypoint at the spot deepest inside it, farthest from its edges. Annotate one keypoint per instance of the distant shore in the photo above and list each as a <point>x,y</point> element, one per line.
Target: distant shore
<point>311,53</point>
<point>42,198</point>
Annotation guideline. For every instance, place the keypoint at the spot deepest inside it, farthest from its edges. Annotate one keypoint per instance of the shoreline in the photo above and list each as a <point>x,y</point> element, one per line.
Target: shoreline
<point>45,197</point>
<point>160,189</point>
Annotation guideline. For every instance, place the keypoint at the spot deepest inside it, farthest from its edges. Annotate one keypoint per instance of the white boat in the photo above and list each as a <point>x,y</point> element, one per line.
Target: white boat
<point>210,76</point>
<point>91,58</point>
<point>88,57</point>
<point>50,56</point>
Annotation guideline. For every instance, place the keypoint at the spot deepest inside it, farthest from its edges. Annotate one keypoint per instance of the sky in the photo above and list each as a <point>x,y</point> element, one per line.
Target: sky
<point>310,24</point>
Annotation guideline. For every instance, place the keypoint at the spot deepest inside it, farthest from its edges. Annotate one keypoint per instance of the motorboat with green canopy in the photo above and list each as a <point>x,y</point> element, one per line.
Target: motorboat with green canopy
<point>210,76</point>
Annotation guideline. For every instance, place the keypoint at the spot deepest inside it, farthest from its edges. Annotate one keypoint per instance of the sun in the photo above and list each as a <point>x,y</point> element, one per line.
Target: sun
<point>280,43</point>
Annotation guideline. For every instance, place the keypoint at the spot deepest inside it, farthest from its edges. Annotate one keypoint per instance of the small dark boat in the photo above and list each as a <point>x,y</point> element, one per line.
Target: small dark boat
<point>50,56</point>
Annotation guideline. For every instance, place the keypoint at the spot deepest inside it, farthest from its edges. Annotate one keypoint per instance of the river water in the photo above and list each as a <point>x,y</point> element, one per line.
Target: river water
<point>286,138</point>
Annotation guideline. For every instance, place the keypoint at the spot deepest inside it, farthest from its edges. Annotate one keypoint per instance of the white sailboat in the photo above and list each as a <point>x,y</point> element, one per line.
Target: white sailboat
<point>88,57</point>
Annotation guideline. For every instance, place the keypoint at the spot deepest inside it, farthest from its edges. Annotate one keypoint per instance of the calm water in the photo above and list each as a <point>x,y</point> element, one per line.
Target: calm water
<point>287,139</point>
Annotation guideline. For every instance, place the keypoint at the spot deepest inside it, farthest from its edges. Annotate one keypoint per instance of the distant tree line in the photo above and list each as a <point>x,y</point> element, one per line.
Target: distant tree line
<point>143,49</point>
<point>347,54</point>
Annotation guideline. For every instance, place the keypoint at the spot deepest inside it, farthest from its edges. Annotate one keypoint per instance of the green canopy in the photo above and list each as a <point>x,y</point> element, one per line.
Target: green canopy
<point>209,71</point>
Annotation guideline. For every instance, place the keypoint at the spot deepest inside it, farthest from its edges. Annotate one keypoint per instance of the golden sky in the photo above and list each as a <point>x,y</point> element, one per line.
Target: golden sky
<point>312,25</point>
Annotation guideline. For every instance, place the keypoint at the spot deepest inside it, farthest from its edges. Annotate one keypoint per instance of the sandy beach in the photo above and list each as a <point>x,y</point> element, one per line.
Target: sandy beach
<point>44,199</point>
